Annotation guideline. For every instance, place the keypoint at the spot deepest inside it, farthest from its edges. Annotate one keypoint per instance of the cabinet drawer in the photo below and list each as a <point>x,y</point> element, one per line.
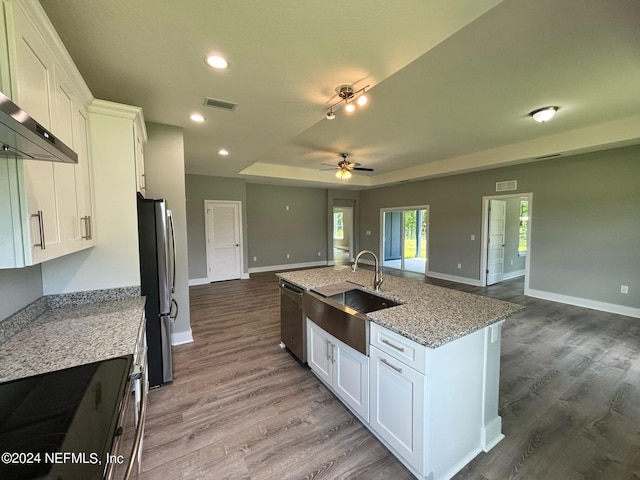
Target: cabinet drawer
<point>407,351</point>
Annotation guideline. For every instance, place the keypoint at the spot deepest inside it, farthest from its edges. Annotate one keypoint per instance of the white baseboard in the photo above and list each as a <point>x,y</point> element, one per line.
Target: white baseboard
<point>454,278</point>
<point>585,302</point>
<point>179,338</point>
<point>198,281</point>
<point>245,276</point>
<point>511,275</point>
<point>287,266</point>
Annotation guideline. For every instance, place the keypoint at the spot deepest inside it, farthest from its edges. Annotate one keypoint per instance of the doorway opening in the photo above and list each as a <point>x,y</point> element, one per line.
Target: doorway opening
<point>404,238</point>
<point>506,238</point>
<point>342,235</point>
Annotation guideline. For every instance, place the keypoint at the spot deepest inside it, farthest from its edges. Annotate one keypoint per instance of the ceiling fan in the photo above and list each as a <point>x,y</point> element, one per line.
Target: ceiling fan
<point>345,167</point>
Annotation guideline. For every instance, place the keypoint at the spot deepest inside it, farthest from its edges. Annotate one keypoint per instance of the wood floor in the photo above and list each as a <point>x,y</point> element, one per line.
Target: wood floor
<point>242,408</point>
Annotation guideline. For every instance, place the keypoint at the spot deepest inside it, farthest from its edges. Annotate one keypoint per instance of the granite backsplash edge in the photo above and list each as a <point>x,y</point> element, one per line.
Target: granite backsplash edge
<point>23,318</point>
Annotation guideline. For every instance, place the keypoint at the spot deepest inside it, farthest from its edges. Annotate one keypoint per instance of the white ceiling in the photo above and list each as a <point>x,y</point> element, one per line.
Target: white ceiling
<point>452,82</point>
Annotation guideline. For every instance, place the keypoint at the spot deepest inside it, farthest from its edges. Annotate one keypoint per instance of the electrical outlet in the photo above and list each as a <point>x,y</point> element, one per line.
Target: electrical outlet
<point>624,289</point>
<point>288,256</point>
<point>473,237</point>
<point>459,265</point>
<point>286,207</point>
<point>319,254</point>
<point>512,261</point>
<point>255,259</point>
<point>368,232</point>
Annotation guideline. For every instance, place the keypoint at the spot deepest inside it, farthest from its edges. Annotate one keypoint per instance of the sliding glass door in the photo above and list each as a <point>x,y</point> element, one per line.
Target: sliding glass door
<point>404,238</point>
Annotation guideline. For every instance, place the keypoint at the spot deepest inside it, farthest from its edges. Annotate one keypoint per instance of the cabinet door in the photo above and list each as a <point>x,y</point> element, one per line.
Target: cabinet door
<point>397,406</point>
<point>84,180</point>
<point>141,180</point>
<point>320,352</point>
<point>351,379</point>
<point>65,174</point>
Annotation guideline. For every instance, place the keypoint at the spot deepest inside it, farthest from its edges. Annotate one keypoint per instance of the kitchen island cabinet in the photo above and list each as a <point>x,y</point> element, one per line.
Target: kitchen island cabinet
<point>343,369</point>
<point>434,363</point>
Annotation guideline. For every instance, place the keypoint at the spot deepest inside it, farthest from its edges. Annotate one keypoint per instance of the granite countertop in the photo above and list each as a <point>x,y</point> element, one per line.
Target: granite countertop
<point>429,314</point>
<point>69,332</point>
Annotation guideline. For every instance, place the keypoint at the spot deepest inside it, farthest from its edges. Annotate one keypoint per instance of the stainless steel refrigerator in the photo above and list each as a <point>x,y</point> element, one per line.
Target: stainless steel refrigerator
<point>157,282</point>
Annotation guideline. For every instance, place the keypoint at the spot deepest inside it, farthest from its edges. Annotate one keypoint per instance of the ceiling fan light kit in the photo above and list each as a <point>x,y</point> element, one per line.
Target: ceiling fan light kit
<point>350,98</point>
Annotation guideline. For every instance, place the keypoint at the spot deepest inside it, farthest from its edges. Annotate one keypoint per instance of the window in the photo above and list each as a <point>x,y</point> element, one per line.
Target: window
<point>522,231</point>
<point>338,225</point>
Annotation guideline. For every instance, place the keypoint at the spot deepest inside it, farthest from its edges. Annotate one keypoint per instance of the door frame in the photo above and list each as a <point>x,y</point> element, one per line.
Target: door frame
<point>381,240</point>
<point>484,236</point>
<point>240,234</point>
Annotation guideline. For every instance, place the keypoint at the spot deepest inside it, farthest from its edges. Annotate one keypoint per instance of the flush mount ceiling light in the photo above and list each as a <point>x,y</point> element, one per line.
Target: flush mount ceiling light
<point>349,98</point>
<point>217,62</point>
<point>196,117</point>
<point>223,152</point>
<point>544,114</point>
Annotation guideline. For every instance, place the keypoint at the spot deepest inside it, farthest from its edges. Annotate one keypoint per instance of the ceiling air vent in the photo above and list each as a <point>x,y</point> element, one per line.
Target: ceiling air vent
<point>507,186</point>
<point>222,104</point>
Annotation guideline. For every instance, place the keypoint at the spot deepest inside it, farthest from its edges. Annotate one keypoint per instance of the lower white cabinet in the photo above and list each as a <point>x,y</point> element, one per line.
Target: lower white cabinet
<point>398,406</point>
<point>343,369</point>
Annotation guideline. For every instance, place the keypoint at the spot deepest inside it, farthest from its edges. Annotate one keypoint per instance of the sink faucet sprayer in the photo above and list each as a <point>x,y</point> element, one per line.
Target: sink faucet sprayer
<point>377,279</point>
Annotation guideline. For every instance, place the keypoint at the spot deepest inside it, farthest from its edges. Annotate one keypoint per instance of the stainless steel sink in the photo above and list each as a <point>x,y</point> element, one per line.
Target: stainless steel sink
<point>343,315</point>
<point>362,301</point>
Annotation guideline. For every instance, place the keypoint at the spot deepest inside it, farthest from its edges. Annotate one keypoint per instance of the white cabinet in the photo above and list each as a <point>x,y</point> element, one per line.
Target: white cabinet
<point>139,138</point>
<point>46,210</point>
<point>343,369</point>
<point>397,406</point>
<point>435,408</point>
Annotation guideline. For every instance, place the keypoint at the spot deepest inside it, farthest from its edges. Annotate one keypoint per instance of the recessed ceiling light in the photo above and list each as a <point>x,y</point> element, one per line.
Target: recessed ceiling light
<point>196,117</point>
<point>223,152</point>
<point>544,114</point>
<point>216,61</point>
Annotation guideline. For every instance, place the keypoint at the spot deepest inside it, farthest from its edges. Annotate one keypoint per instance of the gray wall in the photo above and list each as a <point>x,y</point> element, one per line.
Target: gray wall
<point>585,222</point>
<point>18,288</point>
<point>199,189</point>
<point>165,178</point>
<point>275,231</point>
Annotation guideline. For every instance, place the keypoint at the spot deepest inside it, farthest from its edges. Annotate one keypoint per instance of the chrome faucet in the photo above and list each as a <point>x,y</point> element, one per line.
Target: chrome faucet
<point>377,278</point>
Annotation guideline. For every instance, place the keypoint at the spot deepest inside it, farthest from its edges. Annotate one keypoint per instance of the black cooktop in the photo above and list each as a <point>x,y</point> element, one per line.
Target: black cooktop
<point>61,425</point>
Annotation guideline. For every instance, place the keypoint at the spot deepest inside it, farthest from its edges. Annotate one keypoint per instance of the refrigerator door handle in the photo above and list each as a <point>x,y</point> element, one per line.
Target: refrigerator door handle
<point>173,315</point>
<point>173,253</point>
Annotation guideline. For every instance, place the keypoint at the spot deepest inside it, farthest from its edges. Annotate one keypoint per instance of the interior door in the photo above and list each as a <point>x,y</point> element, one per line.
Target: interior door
<point>495,248</point>
<point>224,260</point>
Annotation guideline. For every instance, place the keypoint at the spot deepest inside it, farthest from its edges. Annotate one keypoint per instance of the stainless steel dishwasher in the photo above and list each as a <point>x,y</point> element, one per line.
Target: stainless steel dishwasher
<point>292,321</point>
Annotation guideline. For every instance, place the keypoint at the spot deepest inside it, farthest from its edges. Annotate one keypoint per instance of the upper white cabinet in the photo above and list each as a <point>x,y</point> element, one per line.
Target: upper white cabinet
<point>47,208</point>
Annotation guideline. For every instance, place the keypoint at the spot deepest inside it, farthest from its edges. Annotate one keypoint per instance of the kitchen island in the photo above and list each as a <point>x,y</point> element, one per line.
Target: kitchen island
<point>428,385</point>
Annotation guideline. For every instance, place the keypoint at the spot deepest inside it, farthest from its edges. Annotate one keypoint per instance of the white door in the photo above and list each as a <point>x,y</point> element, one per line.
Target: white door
<point>495,248</point>
<point>224,258</point>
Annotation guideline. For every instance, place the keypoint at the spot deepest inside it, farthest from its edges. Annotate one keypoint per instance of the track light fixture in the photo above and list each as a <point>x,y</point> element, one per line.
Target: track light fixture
<point>350,98</point>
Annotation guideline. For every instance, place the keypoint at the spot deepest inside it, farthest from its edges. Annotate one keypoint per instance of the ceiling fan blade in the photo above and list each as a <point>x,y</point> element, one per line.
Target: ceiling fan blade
<point>363,169</point>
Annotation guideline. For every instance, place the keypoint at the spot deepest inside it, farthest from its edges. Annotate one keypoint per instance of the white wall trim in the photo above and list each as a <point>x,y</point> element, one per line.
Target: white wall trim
<point>510,275</point>
<point>198,281</point>
<point>287,266</point>
<point>454,278</point>
<point>584,302</point>
<point>179,338</point>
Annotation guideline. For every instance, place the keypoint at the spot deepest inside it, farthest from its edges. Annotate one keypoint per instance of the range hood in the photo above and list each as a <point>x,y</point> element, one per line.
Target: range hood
<point>22,137</point>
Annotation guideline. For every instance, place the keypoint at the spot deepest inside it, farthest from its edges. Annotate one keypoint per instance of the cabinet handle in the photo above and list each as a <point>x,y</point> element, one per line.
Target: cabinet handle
<point>397,369</point>
<point>90,225</point>
<point>42,243</point>
<point>387,342</point>
<point>87,227</point>
<point>330,351</point>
